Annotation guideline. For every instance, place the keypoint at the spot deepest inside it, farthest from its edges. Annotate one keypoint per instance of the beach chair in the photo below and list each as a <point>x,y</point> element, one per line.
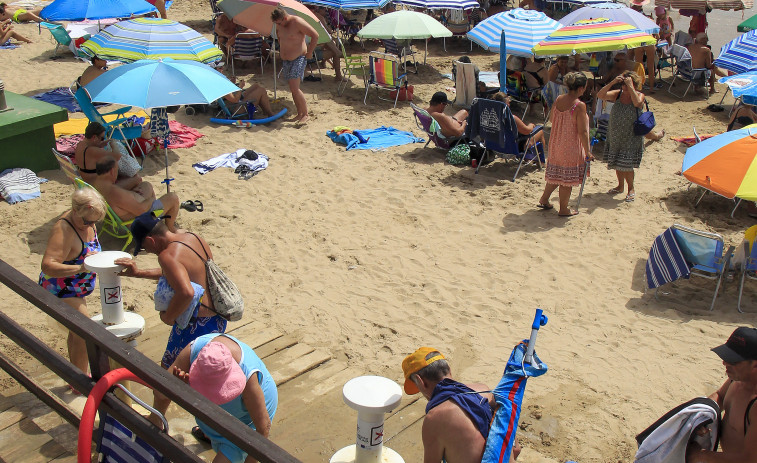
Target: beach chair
<point>428,124</point>
<point>491,120</point>
<point>685,72</point>
<point>748,267</point>
<point>67,166</point>
<point>62,38</point>
<point>681,252</point>
<point>602,118</point>
<point>384,73</point>
<point>248,46</point>
<point>458,23</point>
<point>115,129</point>
<point>112,224</point>
<point>392,47</point>
<point>465,84</point>
<point>353,66</point>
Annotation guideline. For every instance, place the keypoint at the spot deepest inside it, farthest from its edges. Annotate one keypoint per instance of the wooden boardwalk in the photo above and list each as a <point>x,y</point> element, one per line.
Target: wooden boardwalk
<point>308,379</point>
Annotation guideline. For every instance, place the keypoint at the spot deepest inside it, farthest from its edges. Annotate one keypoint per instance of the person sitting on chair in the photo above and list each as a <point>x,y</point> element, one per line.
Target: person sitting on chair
<point>95,147</point>
<point>98,67</point>
<point>451,126</point>
<point>128,204</point>
<point>701,58</point>
<point>329,50</point>
<point>256,94</point>
<point>524,130</point>
<point>619,66</point>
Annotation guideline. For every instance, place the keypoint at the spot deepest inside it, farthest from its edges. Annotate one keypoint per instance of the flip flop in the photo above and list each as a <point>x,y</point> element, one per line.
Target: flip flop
<point>630,197</point>
<point>614,191</point>
<point>188,206</point>
<point>199,435</point>
<point>198,205</point>
<point>545,206</point>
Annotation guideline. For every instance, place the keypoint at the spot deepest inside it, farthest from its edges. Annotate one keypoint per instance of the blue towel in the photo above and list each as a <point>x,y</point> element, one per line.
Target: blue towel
<point>62,97</point>
<point>19,184</point>
<point>666,262</point>
<point>376,139</point>
<point>476,406</point>
<point>8,45</point>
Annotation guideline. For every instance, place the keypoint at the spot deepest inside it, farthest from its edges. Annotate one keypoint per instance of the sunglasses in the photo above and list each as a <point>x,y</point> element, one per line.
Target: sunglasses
<point>618,60</point>
<point>88,222</point>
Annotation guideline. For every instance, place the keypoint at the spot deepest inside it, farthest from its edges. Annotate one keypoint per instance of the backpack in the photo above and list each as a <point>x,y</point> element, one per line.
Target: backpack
<point>227,300</point>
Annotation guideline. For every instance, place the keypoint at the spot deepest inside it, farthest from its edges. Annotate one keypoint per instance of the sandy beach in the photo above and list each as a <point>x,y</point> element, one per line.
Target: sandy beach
<point>370,255</point>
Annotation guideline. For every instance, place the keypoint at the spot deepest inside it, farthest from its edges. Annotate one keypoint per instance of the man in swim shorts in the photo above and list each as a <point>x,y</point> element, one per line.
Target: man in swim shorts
<point>292,31</point>
<point>181,259</point>
<point>128,204</point>
<point>736,397</point>
<point>19,15</point>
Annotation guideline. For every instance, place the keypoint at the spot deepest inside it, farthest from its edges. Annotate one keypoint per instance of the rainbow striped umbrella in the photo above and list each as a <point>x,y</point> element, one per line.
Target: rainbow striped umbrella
<point>592,35</point>
<point>725,164</point>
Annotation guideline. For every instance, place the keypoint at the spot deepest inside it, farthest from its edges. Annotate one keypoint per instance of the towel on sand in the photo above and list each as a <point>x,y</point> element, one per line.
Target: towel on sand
<point>62,97</point>
<point>19,184</point>
<point>181,136</point>
<point>8,45</point>
<point>376,139</point>
<point>231,160</point>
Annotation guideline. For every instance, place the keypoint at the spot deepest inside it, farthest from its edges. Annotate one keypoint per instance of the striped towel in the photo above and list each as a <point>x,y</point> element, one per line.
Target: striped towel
<point>666,262</point>
<point>19,184</point>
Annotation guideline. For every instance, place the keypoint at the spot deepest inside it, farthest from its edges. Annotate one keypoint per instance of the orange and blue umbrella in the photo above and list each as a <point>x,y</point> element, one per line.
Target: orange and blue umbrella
<point>725,164</point>
<point>593,35</point>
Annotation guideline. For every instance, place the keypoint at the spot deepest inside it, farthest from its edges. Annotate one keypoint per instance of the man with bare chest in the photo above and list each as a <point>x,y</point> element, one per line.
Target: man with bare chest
<point>738,429</point>
<point>291,31</point>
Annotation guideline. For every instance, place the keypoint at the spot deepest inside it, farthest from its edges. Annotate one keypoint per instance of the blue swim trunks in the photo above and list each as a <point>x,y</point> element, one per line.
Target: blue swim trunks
<point>180,338</point>
<point>294,69</point>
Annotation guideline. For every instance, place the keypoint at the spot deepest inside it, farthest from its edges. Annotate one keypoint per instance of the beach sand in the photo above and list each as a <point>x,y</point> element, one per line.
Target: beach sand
<point>370,255</point>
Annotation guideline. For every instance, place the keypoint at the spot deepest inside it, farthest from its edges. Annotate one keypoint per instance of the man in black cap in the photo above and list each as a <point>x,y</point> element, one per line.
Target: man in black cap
<point>451,126</point>
<point>736,397</point>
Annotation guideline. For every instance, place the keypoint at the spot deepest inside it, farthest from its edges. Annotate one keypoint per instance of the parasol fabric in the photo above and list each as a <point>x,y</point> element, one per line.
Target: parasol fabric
<point>592,35</point>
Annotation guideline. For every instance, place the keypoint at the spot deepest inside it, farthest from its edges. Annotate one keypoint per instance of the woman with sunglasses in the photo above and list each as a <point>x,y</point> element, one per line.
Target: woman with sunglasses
<point>72,238</point>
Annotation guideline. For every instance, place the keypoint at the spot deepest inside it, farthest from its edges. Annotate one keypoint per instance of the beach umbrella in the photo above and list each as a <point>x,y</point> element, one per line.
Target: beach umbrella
<point>440,4</point>
<point>524,29</point>
<point>404,24</point>
<point>348,4</point>
<point>740,54</point>
<point>743,86</point>
<point>615,11</point>
<point>748,25</point>
<point>725,164</point>
<point>703,4</point>
<point>80,10</point>
<point>151,38</point>
<point>592,35</point>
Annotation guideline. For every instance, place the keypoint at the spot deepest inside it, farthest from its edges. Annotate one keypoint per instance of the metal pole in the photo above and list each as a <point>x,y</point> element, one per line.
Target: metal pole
<point>274,60</point>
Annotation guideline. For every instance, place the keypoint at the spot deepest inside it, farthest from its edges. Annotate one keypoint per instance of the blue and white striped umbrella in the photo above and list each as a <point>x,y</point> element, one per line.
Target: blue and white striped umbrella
<point>739,55</point>
<point>743,85</point>
<point>440,4</point>
<point>523,30</point>
<point>615,11</point>
<point>348,4</point>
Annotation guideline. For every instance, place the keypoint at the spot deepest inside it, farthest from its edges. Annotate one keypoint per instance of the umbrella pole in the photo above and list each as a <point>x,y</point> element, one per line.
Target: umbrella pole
<point>274,61</point>
<point>165,153</point>
<point>425,53</point>
<point>583,183</point>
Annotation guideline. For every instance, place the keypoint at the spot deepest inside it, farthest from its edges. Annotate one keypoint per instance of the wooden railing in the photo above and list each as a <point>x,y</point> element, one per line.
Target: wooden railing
<point>102,346</point>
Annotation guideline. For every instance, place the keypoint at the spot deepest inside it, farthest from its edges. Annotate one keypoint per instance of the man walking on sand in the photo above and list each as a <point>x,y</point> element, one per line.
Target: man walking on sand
<point>736,397</point>
<point>291,32</point>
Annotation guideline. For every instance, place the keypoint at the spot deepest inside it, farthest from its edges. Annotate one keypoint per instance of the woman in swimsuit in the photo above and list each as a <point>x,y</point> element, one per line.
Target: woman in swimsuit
<point>72,238</point>
<point>18,15</point>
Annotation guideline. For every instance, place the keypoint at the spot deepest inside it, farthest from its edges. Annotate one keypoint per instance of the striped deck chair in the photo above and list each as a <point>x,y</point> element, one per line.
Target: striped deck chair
<point>247,46</point>
<point>392,47</point>
<point>748,267</point>
<point>459,24</point>
<point>685,72</point>
<point>67,166</point>
<point>384,72</point>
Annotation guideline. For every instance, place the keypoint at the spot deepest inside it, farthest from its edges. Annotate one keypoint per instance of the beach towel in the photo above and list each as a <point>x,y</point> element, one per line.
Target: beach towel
<point>666,262</point>
<point>691,141</point>
<point>8,45</point>
<point>62,97</point>
<point>19,184</point>
<point>181,136</point>
<point>376,139</point>
<point>230,160</point>
<point>77,126</point>
<point>665,441</point>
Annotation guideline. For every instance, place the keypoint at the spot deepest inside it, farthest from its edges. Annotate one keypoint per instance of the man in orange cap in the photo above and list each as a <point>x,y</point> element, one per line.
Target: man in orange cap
<point>457,415</point>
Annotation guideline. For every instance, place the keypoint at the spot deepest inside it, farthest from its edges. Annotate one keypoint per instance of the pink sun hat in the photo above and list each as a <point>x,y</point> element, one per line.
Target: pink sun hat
<point>216,375</point>
<point>659,10</point>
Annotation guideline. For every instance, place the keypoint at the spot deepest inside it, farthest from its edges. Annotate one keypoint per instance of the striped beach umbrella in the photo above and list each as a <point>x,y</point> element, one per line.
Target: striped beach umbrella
<point>348,4</point>
<point>703,4</point>
<point>725,164</point>
<point>740,54</point>
<point>615,11</point>
<point>743,86</point>
<point>523,29</point>
<point>151,38</point>
<point>592,35</point>
<point>440,4</point>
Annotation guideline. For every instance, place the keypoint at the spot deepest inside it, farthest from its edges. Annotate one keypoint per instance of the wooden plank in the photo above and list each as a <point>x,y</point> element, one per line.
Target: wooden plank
<point>249,326</point>
<point>319,382</point>
<point>21,438</point>
<point>65,435</point>
<point>276,345</point>
<point>65,458</point>
<point>255,335</point>
<point>10,417</point>
<point>43,454</point>
<point>291,363</point>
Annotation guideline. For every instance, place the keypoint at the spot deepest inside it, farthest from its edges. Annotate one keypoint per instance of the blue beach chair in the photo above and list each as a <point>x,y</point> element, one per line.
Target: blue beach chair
<point>115,129</point>
<point>748,268</point>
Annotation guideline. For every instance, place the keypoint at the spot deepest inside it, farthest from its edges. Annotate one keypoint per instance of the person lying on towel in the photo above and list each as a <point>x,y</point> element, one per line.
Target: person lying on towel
<point>736,397</point>
<point>458,416</point>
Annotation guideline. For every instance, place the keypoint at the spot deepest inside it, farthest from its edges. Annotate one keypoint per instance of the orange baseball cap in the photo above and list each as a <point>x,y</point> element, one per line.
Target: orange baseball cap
<point>416,362</point>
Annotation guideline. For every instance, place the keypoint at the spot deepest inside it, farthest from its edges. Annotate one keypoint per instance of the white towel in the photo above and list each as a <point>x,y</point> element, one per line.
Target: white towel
<point>19,184</point>
<point>230,160</point>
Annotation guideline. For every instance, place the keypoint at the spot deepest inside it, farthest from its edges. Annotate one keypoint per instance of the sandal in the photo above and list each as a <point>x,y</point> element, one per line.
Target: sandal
<point>614,191</point>
<point>630,197</point>
<point>188,205</point>
<point>198,206</point>
<point>545,206</point>
<point>199,435</point>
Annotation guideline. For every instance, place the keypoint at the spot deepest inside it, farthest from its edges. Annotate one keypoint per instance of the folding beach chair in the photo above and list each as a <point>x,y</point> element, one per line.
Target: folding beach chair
<point>112,224</point>
<point>247,46</point>
<point>684,71</point>
<point>458,23</point>
<point>602,118</point>
<point>353,66</point>
<point>680,252</point>
<point>428,124</point>
<point>748,268</point>
<point>67,166</point>
<point>115,129</point>
<point>62,38</point>
<point>391,47</point>
<point>491,124</point>
<point>384,72</point>
<point>465,84</point>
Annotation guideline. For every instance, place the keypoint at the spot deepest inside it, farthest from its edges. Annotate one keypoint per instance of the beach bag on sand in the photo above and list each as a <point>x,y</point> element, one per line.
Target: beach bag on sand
<point>459,155</point>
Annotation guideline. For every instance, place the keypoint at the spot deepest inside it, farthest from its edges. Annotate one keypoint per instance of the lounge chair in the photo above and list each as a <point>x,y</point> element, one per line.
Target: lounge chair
<point>685,72</point>
<point>458,23</point>
<point>490,121</point>
<point>748,267</point>
<point>465,84</point>
<point>384,73</point>
<point>67,166</point>
<point>114,129</point>
<point>353,66</point>
<point>392,47</point>
<point>248,46</point>
<point>112,224</point>
<point>428,124</point>
<point>680,252</point>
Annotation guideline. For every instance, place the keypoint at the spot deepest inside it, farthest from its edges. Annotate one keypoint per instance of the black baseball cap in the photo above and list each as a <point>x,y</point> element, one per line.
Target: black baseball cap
<point>142,226</point>
<point>742,345</point>
<point>440,97</point>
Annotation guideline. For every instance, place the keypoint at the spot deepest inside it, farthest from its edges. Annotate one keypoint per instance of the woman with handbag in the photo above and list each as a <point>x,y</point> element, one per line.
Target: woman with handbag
<point>625,144</point>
